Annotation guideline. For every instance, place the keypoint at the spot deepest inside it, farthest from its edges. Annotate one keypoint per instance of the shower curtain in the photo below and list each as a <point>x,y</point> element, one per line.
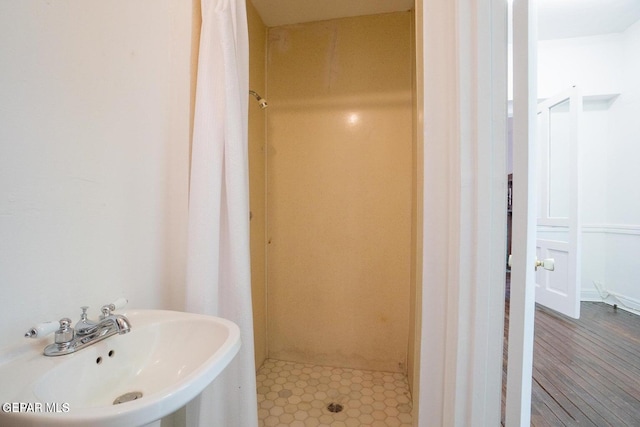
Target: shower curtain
<point>218,266</point>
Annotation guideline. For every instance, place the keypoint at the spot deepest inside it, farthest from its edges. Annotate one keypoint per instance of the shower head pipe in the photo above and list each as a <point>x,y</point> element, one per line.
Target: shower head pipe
<point>261,101</point>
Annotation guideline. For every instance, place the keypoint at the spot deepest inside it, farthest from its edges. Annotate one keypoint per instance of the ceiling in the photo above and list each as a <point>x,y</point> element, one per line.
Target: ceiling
<point>556,18</point>
<point>559,19</point>
<point>283,12</point>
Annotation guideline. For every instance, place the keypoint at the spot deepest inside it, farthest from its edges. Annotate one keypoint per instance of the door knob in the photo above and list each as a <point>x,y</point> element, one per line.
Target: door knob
<point>547,264</point>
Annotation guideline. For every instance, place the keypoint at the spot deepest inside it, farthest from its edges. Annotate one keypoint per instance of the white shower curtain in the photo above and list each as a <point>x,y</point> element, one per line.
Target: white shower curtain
<point>218,266</point>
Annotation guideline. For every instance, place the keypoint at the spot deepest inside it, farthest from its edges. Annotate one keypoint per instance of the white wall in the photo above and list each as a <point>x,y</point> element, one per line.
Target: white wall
<point>623,179</point>
<point>94,145</point>
<point>594,150</point>
<point>592,63</point>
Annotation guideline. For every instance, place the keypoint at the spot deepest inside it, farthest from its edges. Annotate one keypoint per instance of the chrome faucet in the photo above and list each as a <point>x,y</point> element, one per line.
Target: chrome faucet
<point>87,332</point>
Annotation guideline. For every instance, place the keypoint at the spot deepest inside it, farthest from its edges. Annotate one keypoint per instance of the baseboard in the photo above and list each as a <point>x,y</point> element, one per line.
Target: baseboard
<point>629,304</point>
<point>626,303</point>
<point>590,295</point>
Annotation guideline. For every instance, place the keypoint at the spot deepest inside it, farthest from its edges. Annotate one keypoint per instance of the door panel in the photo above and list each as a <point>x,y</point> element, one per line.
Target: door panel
<point>558,158</point>
<point>553,286</point>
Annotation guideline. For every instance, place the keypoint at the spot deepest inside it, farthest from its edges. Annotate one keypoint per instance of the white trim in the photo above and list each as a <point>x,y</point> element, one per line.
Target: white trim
<point>590,295</point>
<point>522,301</point>
<point>600,293</point>
<point>627,229</point>
<point>491,158</point>
<point>438,86</point>
<point>624,302</point>
<point>464,210</point>
<point>612,229</point>
<point>632,305</point>
<point>552,228</point>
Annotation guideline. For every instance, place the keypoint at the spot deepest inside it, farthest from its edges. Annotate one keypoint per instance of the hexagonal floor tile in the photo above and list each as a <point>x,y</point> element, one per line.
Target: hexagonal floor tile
<point>296,395</point>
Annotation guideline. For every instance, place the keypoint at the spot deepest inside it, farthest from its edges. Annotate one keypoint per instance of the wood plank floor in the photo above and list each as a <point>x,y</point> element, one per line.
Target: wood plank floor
<point>586,372</point>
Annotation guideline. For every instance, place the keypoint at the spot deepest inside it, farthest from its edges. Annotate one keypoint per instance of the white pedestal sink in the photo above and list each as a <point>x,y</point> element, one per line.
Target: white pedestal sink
<point>166,360</point>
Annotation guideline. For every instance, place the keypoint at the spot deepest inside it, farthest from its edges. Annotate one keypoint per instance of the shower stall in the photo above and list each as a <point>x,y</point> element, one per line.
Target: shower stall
<point>333,207</point>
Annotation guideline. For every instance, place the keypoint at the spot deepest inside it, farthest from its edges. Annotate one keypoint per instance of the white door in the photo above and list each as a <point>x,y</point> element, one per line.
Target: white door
<point>523,242</point>
<point>524,228</point>
<point>558,219</point>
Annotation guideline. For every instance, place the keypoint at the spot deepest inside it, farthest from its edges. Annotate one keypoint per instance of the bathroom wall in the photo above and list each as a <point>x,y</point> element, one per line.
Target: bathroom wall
<point>94,155</point>
<point>257,191</point>
<point>339,191</point>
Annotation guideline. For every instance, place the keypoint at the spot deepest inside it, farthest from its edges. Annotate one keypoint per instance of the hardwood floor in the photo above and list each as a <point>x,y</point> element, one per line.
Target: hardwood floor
<point>586,372</point>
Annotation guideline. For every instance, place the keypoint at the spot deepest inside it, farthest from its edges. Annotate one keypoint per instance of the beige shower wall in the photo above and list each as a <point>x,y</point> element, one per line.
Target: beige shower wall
<point>339,191</point>
<point>257,118</point>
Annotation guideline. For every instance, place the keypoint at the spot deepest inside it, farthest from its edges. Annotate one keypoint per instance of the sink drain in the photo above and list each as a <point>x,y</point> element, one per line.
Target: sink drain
<point>127,397</point>
<point>335,407</point>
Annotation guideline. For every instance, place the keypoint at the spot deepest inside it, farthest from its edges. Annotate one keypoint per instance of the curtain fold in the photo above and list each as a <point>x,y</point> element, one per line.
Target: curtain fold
<point>218,265</point>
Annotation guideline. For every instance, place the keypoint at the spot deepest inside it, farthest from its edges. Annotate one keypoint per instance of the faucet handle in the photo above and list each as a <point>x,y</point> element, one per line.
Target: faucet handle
<point>84,309</point>
<point>108,308</point>
<point>119,303</point>
<point>65,333</point>
<point>42,329</point>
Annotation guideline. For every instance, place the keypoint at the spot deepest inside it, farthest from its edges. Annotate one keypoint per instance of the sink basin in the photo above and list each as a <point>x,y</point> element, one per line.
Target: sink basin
<point>166,360</point>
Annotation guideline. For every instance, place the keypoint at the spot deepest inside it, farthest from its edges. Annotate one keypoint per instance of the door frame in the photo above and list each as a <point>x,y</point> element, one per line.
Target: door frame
<point>461,82</point>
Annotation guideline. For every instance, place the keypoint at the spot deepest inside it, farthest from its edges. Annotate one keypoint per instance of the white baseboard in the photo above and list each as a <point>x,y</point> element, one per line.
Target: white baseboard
<point>590,295</point>
<point>629,304</point>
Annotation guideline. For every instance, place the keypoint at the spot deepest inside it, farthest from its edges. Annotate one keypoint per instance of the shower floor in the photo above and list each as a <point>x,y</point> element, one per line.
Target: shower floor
<point>298,395</point>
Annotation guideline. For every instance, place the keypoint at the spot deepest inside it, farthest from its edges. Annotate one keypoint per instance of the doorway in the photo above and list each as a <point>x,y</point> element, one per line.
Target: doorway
<point>601,101</point>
